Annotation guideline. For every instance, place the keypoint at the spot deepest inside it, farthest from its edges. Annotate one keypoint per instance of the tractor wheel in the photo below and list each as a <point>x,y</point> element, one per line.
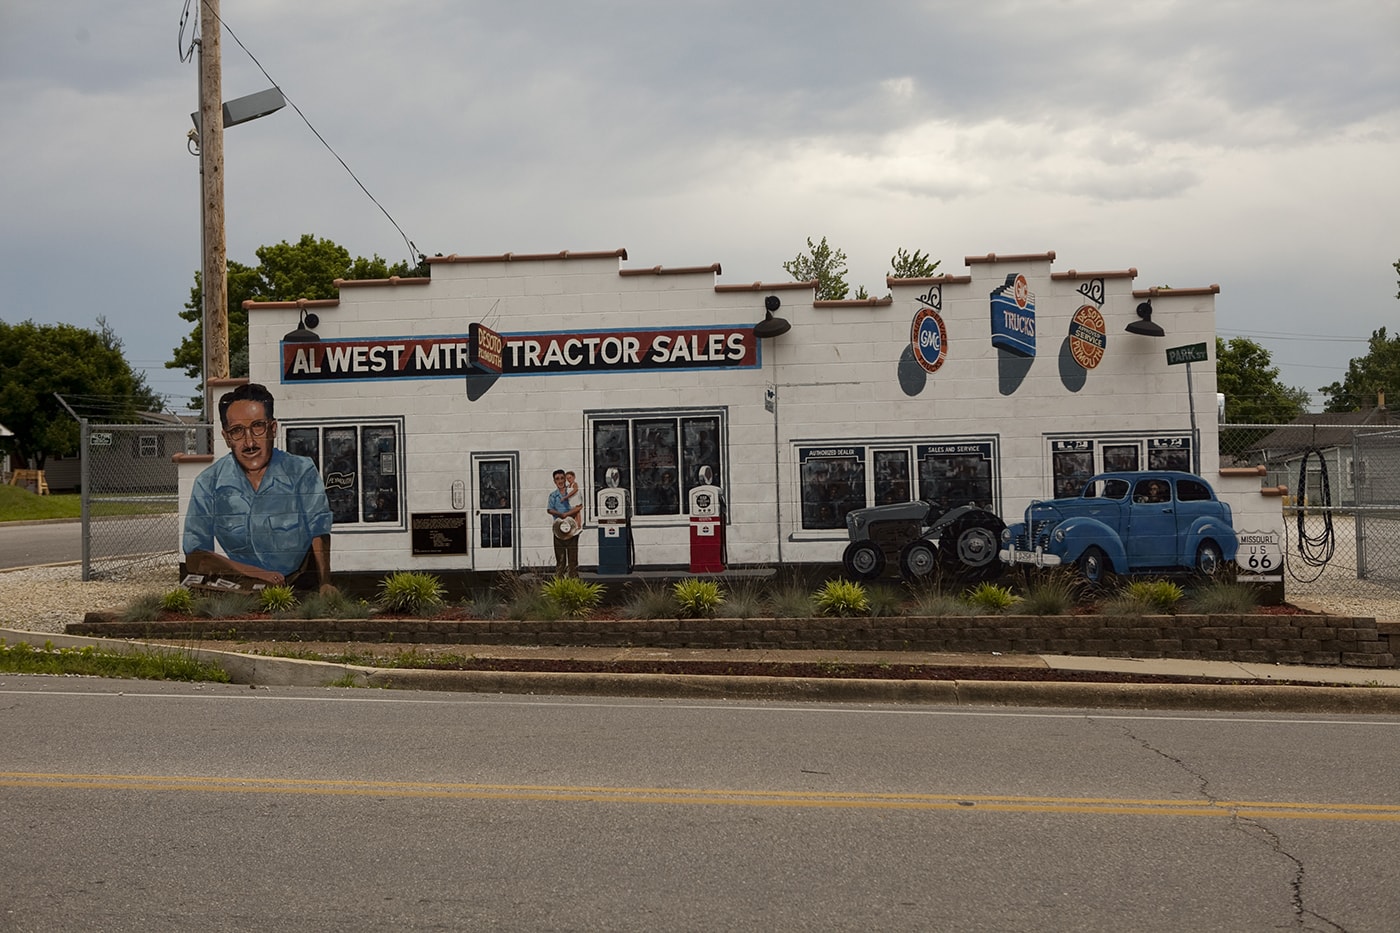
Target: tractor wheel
<point>918,560</point>
<point>967,548</point>
<point>863,560</point>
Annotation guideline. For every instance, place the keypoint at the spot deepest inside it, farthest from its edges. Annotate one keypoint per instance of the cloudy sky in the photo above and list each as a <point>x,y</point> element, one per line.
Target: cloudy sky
<point>1249,143</point>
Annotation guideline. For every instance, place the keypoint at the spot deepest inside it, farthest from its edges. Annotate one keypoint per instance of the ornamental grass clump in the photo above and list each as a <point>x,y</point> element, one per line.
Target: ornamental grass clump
<point>1154,595</point>
<point>332,605</point>
<point>841,598</point>
<point>885,600</point>
<point>177,600</point>
<point>572,596</point>
<point>1220,597</point>
<point>698,599</point>
<point>989,597</point>
<point>276,599</point>
<point>648,601</point>
<point>409,592</point>
<point>1053,594</point>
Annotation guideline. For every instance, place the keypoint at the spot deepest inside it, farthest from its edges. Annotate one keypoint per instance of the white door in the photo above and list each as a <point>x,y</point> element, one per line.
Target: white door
<point>496,531</point>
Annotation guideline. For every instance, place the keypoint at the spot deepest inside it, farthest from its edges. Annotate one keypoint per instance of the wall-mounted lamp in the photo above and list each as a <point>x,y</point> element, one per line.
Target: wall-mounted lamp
<point>771,326</point>
<point>1145,327</point>
<point>304,332</point>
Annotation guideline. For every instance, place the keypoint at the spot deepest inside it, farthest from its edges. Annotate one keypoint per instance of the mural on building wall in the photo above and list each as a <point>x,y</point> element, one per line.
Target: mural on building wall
<point>1013,331</point>
<point>928,344</point>
<point>1084,345</point>
<point>561,353</point>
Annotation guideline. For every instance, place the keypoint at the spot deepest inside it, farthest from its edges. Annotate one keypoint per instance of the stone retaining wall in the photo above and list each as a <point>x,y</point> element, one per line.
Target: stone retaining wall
<point>1283,639</point>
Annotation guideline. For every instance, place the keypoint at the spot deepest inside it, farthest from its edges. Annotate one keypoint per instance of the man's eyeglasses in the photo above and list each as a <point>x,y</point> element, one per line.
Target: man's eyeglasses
<point>257,429</point>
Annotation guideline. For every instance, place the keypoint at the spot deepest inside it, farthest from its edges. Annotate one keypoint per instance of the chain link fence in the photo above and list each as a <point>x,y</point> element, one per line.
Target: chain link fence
<point>1342,511</point>
<point>130,494</point>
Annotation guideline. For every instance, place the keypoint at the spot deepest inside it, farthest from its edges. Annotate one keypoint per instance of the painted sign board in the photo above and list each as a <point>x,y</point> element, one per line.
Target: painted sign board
<point>1013,317</point>
<point>928,339</point>
<point>535,354</point>
<point>485,353</point>
<point>1087,336</point>
<point>1191,353</point>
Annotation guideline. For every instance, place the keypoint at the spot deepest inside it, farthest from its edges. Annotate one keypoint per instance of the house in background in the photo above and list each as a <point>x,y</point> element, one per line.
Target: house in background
<point>1333,436</point>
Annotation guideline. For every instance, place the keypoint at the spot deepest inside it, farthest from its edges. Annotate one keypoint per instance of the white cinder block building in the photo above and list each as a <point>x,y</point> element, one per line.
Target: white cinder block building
<point>1009,383</point>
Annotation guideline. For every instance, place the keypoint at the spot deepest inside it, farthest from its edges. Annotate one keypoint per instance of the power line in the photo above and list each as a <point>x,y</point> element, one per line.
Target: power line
<point>413,255</point>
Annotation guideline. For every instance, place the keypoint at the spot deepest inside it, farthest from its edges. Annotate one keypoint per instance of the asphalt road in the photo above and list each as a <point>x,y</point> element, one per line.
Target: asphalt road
<point>25,545</point>
<point>154,807</point>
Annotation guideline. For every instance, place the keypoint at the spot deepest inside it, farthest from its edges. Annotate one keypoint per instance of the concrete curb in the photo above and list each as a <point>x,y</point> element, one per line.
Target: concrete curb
<point>293,672</point>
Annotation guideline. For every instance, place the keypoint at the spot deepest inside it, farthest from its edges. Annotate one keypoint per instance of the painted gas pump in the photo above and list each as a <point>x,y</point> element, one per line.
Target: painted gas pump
<point>706,525</point>
<point>614,517</point>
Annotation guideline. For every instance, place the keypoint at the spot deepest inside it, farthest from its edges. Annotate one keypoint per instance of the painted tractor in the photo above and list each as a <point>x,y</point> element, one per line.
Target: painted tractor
<point>921,540</point>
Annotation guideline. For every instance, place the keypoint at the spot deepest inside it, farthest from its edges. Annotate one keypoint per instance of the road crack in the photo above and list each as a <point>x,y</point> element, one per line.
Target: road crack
<point>1255,831</point>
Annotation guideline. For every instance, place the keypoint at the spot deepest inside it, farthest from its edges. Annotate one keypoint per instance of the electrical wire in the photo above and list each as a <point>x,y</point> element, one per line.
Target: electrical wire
<point>1315,550</point>
<point>415,258</point>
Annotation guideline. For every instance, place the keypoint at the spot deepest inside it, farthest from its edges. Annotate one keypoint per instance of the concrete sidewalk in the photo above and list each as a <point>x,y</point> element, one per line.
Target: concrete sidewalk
<point>1200,685</point>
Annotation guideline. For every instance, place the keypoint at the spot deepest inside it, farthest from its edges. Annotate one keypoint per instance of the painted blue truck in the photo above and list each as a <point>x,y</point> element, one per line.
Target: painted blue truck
<point>1128,522</point>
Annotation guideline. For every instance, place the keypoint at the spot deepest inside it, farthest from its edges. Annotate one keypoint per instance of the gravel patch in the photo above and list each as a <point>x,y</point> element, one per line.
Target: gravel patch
<point>45,599</point>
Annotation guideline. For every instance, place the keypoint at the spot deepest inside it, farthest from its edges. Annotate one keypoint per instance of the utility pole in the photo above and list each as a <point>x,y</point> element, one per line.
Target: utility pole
<point>214,277</point>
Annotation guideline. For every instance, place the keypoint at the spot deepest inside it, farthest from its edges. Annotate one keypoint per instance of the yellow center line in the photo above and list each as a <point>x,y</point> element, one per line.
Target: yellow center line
<point>688,796</point>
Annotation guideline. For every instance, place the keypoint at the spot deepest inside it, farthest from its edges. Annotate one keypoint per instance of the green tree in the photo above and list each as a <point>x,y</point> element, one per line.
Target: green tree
<point>285,271</point>
<point>1245,374</point>
<point>86,367</point>
<point>915,265</point>
<point>1371,375</point>
<point>825,266</point>
<point>1368,376</point>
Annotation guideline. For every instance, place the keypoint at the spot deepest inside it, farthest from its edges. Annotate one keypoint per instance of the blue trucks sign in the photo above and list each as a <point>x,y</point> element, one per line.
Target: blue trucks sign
<point>1013,317</point>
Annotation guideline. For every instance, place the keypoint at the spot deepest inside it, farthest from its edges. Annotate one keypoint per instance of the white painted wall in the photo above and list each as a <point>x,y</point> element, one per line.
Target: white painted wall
<point>836,373</point>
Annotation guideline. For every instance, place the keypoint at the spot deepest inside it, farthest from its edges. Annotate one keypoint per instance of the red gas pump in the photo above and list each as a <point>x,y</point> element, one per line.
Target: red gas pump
<point>706,526</point>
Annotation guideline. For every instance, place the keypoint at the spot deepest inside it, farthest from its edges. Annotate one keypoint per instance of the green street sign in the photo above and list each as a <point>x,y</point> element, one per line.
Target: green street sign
<point>1191,353</point>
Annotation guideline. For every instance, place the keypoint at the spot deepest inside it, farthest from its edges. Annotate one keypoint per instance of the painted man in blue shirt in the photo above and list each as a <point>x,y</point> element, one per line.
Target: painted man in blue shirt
<point>566,548</point>
<point>264,507</point>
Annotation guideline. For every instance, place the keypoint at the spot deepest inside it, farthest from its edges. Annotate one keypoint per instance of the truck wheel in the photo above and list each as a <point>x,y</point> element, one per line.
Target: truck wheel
<point>1094,566</point>
<point>918,560</point>
<point>968,547</point>
<point>863,560</point>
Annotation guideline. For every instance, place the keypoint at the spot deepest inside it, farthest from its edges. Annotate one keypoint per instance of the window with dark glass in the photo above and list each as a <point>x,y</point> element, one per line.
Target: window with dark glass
<point>358,464</point>
<point>892,477</point>
<point>658,457</point>
<point>1072,469</point>
<point>831,487</point>
<point>949,480</point>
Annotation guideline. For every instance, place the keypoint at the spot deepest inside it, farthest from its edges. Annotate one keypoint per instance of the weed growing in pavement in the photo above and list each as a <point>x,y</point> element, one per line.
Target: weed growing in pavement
<point>841,598</point>
<point>90,662</point>
<point>698,599</point>
<point>409,592</point>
